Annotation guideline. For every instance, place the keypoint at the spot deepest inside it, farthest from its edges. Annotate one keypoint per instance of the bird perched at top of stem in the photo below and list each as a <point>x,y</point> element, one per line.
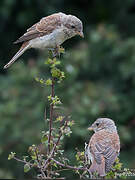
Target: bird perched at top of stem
<point>104,146</point>
<point>49,33</point>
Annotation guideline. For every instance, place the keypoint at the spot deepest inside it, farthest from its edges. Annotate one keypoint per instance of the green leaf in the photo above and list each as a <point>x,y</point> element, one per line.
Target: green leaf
<point>70,123</point>
<point>59,118</point>
<point>48,82</point>
<point>49,61</point>
<point>49,98</point>
<point>33,157</point>
<point>26,168</point>
<point>11,155</point>
<point>37,79</point>
<point>55,72</point>
<point>55,165</point>
<point>44,138</point>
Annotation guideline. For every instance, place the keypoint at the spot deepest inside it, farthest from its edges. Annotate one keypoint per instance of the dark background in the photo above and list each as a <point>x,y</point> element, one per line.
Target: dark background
<point>100,77</point>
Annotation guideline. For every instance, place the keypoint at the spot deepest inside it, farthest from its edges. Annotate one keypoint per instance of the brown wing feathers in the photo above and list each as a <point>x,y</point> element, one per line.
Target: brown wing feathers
<point>43,27</point>
<point>28,36</point>
<point>102,149</point>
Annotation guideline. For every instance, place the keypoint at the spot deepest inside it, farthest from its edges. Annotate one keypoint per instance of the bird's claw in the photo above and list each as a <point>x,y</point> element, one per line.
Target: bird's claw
<point>57,51</point>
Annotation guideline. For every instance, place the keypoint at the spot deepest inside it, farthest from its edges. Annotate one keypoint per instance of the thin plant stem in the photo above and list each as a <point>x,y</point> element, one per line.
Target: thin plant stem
<point>39,164</point>
<point>54,147</point>
<point>51,122</point>
<point>51,116</point>
<point>68,166</point>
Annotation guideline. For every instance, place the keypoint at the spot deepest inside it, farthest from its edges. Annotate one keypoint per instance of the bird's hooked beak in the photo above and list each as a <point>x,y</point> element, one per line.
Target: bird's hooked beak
<point>80,34</point>
<point>90,128</point>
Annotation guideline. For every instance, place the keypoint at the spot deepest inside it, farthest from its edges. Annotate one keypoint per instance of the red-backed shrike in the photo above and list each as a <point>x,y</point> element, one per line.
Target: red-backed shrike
<point>49,33</point>
<point>104,146</point>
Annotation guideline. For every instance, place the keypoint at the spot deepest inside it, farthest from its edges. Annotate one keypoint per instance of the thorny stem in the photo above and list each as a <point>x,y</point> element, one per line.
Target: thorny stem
<point>68,166</point>
<point>51,117</point>
<point>54,147</point>
<point>45,168</point>
<point>84,169</point>
<point>58,140</point>
<point>23,161</point>
<point>62,178</point>
<point>50,122</point>
<point>39,165</point>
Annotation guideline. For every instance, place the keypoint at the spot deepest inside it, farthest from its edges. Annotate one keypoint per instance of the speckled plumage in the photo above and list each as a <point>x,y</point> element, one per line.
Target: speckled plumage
<point>49,32</point>
<point>104,146</point>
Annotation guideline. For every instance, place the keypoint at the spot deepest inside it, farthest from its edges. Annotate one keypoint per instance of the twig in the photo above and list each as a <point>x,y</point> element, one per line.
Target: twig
<point>50,123</point>
<point>39,165</point>
<point>51,117</point>
<point>54,147</point>
<point>23,161</point>
<point>62,178</point>
<point>68,166</point>
<point>58,140</point>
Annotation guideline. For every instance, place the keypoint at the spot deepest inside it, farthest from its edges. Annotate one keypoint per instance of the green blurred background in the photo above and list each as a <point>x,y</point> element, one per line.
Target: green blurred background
<point>100,77</point>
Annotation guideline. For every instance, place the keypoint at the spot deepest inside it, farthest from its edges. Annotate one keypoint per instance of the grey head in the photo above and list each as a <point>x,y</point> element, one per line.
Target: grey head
<point>72,25</point>
<point>103,124</point>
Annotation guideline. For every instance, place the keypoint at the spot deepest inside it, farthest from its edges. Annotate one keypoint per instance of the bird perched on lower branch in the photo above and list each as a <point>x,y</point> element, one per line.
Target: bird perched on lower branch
<point>103,147</point>
<point>49,33</point>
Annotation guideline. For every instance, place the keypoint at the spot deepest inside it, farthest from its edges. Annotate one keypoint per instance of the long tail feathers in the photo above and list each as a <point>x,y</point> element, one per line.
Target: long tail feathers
<point>99,168</point>
<point>23,48</point>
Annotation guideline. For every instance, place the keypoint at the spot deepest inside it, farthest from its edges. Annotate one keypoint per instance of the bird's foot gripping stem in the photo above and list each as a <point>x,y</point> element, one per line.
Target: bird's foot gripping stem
<point>57,51</point>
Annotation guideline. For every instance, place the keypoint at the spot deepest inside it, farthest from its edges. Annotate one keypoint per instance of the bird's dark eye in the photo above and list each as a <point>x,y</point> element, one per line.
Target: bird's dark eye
<point>73,27</point>
<point>97,124</point>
